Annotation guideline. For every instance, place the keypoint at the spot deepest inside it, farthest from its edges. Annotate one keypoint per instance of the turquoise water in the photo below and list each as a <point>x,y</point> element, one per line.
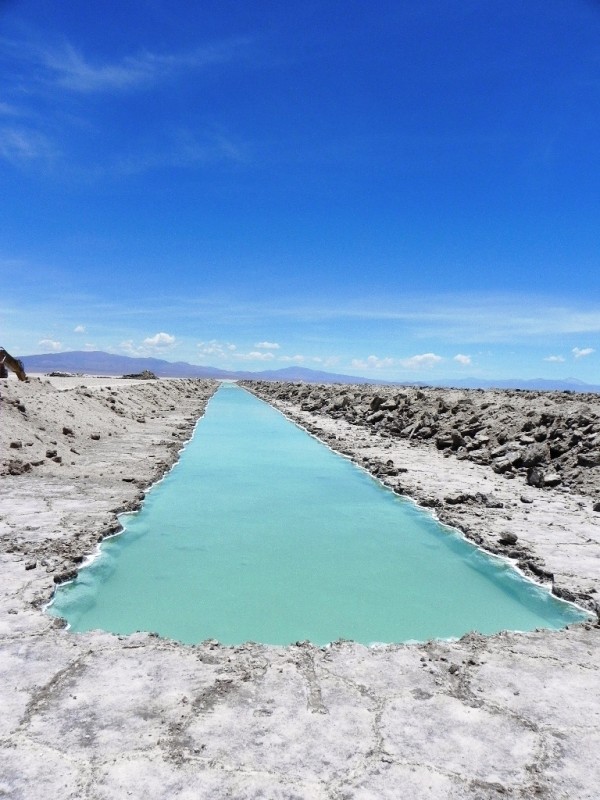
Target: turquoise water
<point>262,533</point>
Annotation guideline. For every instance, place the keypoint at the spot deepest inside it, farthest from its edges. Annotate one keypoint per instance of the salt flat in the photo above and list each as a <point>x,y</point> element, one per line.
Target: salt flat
<point>98,716</point>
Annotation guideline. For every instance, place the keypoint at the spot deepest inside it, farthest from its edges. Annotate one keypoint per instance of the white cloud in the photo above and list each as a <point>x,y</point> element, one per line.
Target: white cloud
<point>79,329</point>
<point>157,343</point>
<point>160,341</point>
<point>267,346</point>
<point>372,362</point>
<point>255,355</point>
<point>464,360</point>
<point>558,359</point>
<point>424,360</point>
<point>582,352</point>
<point>50,344</point>
<point>89,346</point>
<point>296,359</point>
<point>216,349</point>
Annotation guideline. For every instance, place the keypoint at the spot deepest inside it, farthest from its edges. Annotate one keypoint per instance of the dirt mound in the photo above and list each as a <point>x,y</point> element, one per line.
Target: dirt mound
<point>551,438</point>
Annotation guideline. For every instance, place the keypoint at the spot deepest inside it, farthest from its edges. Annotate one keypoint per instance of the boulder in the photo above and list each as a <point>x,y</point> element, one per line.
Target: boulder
<point>591,459</point>
<point>534,455</point>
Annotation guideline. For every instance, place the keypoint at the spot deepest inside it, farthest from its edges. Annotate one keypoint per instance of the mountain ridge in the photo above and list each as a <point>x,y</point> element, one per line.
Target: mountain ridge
<point>100,362</point>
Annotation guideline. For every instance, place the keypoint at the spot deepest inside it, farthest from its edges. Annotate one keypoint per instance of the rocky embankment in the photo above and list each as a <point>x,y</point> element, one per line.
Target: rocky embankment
<point>73,456</point>
<point>552,439</point>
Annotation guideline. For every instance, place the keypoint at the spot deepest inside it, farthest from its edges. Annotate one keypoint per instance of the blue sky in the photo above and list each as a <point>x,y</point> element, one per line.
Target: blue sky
<point>402,190</point>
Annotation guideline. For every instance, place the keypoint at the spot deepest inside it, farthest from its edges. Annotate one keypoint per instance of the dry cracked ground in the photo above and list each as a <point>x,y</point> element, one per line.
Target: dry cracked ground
<point>100,716</point>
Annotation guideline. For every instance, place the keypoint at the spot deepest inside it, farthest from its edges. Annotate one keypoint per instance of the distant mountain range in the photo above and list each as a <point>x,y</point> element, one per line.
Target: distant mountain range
<point>100,363</point>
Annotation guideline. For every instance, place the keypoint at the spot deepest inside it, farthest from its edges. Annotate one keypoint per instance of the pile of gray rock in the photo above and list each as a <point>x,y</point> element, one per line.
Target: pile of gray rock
<point>551,438</point>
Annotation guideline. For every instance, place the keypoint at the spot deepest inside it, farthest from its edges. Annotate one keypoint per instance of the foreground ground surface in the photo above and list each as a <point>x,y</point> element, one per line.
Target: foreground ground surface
<point>100,716</point>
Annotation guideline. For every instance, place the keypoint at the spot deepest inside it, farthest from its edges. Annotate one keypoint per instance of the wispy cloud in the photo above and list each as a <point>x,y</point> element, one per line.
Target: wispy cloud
<point>372,362</point>
<point>462,319</point>
<point>420,361</point>
<point>7,110</point>
<point>79,329</point>
<point>68,68</point>
<point>254,355</point>
<point>582,352</point>
<point>216,349</point>
<point>267,346</point>
<point>556,359</point>
<point>19,145</point>
<point>179,148</point>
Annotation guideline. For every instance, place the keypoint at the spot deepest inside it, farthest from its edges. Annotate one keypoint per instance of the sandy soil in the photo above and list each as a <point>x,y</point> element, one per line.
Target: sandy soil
<point>101,716</point>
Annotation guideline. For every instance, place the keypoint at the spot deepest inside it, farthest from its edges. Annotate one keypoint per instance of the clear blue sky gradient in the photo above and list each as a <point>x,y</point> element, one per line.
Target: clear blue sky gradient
<point>369,188</point>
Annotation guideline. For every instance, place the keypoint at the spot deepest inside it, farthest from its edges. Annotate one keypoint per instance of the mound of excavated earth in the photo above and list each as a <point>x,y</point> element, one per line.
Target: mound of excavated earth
<point>94,716</point>
<point>548,438</point>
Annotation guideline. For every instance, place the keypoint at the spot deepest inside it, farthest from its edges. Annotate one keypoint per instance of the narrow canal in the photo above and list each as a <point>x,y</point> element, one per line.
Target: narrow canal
<point>261,533</point>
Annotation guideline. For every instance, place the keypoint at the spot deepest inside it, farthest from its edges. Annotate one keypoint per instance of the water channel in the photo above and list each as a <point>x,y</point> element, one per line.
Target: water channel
<point>261,533</point>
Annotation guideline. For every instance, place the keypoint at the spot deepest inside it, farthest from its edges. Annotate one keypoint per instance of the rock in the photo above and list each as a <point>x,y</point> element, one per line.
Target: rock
<point>67,431</point>
<point>489,501</point>
<point>342,403</point>
<point>67,575</point>
<point>30,564</point>
<point>508,538</point>
<point>457,439</point>
<point>455,499</point>
<point>535,476</point>
<point>524,439</point>
<point>591,459</point>
<point>95,436</point>
<point>17,445</point>
<point>596,506</point>
<point>50,453</point>
<point>17,467</point>
<point>552,479</point>
<point>146,375</point>
<point>534,455</point>
<point>508,461</point>
<point>525,499</point>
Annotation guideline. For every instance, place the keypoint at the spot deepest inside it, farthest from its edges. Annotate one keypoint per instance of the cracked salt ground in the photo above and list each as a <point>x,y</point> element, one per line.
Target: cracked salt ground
<point>94,716</point>
<point>153,718</point>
